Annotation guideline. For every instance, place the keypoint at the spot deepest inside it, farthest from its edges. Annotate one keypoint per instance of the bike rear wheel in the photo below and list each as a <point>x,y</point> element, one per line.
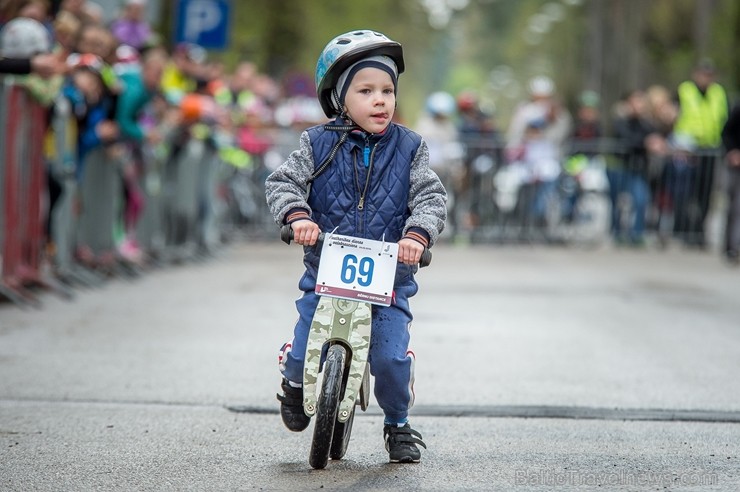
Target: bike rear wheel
<point>328,405</point>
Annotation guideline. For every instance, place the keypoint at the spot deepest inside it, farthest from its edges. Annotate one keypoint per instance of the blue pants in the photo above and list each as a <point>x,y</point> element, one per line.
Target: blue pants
<point>543,191</point>
<point>390,361</point>
<point>637,187</point>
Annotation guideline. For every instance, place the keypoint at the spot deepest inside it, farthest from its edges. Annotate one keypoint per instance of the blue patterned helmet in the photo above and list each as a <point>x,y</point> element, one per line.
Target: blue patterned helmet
<point>343,51</point>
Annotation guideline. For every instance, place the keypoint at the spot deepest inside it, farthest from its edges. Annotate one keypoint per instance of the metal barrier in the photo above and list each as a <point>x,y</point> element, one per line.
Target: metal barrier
<point>184,214</point>
<point>23,186</point>
<point>182,197</point>
<point>63,213</point>
<point>100,203</point>
<point>150,228</point>
<point>597,195</point>
<point>243,188</point>
<point>495,201</point>
<point>499,199</point>
<point>193,198</point>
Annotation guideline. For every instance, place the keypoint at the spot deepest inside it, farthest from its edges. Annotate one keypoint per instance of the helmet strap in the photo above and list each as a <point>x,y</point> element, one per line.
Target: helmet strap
<point>337,103</point>
<point>345,129</point>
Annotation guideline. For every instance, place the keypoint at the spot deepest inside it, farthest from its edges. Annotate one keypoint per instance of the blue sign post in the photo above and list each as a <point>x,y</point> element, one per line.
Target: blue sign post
<point>203,22</point>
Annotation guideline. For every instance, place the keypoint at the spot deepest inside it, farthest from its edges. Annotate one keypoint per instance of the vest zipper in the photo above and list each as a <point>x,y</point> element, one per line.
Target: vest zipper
<point>367,154</point>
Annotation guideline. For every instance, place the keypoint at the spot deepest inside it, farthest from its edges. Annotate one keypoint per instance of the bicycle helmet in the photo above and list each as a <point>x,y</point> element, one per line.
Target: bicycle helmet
<point>127,54</point>
<point>467,101</point>
<point>85,61</point>
<point>193,52</point>
<point>441,104</point>
<point>343,51</point>
<point>192,107</point>
<point>23,38</point>
<point>589,99</point>
<point>541,86</point>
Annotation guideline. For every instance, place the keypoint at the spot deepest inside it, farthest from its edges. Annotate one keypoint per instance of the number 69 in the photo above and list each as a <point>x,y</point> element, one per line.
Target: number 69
<point>362,272</point>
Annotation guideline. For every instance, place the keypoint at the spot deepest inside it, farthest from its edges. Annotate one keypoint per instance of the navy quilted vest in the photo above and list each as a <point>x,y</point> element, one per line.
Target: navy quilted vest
<point>335,194</point>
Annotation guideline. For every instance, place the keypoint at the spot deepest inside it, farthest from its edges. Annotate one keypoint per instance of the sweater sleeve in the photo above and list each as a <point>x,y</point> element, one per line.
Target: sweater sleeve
<point>427,197</point>
<point>285,188</point>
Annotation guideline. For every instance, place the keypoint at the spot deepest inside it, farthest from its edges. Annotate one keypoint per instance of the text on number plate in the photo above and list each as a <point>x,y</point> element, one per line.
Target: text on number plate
<point>357,269</point>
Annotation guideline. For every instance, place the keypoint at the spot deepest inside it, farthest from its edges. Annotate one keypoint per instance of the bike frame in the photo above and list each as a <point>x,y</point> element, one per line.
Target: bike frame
<point>348,323</point>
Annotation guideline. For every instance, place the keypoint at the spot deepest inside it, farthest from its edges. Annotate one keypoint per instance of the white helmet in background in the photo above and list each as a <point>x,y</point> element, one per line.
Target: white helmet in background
<point>23,38</point>
<point>441,104</point>
<point>541,86</point>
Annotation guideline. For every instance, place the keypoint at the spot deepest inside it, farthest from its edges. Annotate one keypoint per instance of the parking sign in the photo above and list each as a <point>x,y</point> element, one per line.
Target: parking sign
<point>203,22</point>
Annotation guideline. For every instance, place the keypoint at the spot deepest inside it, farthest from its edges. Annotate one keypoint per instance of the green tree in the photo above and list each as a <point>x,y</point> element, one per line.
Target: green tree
<point>494,46</point>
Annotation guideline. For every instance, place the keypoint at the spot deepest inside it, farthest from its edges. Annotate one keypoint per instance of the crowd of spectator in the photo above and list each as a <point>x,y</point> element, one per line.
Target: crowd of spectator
<point>130,96</point>
<point>661,150</point>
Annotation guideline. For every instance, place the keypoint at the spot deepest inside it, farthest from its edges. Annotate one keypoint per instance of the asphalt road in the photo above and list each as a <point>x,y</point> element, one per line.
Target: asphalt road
<point>537,369</point>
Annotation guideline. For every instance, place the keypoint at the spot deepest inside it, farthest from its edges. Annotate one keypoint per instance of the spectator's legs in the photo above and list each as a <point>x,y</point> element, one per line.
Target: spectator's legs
<point>679,177</point>
<point>640,193</point>
<point>134,200</point>
<point>616,180</point>
<point>54,188</point>
<point>701,196</point>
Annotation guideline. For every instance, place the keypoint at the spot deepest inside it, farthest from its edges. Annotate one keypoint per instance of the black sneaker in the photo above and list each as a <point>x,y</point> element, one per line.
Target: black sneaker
<point>291,407</point>
<point>400,442</point>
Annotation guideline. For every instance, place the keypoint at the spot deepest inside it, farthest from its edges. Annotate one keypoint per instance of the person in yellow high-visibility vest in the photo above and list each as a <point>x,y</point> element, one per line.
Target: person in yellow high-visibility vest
<point>703,112</point>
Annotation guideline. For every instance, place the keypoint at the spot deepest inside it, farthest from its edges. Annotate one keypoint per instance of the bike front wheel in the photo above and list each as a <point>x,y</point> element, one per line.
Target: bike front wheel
<point>328,406</point>
<point>340,440</point>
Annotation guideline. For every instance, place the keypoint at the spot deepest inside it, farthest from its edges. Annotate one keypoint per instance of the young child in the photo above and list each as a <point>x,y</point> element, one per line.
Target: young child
<point>364,176</point>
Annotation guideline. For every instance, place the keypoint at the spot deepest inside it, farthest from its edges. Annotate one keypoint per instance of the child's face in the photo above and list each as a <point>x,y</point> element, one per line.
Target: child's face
<point>371,99</point>
<point>34,11</point>
<point>65,38</point>
<point>134,11</point>
<point>636,103</point>
<point>96,41</point>
<point>151,73</point>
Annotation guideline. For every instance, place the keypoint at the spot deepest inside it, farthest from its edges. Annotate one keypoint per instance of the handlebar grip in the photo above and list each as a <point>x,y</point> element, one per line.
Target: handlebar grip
<point>426,258</point>
<point>286,235</point>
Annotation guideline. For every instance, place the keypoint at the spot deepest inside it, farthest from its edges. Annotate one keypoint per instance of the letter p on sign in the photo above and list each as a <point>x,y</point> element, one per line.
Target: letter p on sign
<point>201,16</point>
<point>203,22</point>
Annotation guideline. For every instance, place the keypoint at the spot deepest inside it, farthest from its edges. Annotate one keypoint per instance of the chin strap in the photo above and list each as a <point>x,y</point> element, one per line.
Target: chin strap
<point>337,102</point>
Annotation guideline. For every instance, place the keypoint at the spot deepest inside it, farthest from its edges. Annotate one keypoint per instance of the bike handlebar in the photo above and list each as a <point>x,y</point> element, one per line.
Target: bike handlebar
<point>286,235</point>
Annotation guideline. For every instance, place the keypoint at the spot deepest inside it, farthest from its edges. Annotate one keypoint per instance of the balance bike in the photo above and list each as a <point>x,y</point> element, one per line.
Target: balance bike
<point>342,324</point>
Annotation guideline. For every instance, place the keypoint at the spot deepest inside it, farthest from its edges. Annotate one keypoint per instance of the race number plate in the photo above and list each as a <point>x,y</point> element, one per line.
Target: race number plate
<point>358,269</point>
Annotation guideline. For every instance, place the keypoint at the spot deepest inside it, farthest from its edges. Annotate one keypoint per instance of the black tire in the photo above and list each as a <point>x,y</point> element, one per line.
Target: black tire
<point>328,405</point>
<point>340,439</point>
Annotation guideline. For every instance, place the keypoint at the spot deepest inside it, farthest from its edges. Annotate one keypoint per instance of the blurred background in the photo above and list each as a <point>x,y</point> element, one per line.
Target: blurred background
<point>567,122</point>
<point>491,46</point>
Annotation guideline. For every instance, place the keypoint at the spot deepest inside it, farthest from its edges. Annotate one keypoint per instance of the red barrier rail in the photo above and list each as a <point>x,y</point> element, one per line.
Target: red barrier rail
<point>23,193</point>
